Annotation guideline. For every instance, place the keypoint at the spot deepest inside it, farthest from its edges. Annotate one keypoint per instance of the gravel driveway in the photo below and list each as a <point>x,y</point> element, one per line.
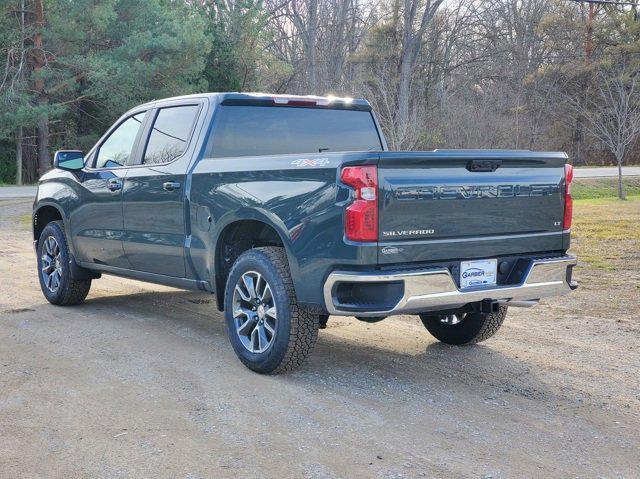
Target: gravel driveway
<point>140,381</point>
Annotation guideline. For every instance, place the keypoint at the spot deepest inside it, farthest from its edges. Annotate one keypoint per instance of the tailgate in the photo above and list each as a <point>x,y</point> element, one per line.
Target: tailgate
<point>446,205</point>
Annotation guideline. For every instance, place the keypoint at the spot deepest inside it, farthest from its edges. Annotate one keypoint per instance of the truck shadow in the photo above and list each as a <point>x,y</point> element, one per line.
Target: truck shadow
<point>344,364</point>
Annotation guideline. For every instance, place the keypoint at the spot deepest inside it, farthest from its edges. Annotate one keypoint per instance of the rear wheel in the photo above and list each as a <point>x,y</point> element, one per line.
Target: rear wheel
<point>464,328</point>
<point>53,268</point>
<point>269,331</point>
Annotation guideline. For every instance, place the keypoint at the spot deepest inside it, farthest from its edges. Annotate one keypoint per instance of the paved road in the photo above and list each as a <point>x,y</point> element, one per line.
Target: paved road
<point>607,172</point>
<point>17,191</point>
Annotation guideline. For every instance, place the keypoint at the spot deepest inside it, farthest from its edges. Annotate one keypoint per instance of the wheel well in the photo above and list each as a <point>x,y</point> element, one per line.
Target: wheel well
<point>42,217</point>
<point>234,240</point>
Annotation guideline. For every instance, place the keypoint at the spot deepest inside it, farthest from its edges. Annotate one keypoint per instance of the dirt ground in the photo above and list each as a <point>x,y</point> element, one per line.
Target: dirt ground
<point>140,381</point>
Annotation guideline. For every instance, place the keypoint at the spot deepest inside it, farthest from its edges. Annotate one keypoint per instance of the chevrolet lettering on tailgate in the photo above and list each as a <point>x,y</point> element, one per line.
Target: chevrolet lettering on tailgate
<point>440,192</point>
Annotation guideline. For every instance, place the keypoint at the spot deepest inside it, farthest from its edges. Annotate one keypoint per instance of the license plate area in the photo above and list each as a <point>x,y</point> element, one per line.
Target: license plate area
<point>478,273</point>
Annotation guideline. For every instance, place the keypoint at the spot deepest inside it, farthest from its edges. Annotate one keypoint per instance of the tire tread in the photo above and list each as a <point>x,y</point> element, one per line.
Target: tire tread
<point>75,291</point>
<point>492,324</point>
<point>304,323</point>
<point>475,328</point>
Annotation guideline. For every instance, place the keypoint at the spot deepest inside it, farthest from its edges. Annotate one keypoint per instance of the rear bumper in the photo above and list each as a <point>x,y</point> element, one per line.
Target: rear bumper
<point>434,289</point>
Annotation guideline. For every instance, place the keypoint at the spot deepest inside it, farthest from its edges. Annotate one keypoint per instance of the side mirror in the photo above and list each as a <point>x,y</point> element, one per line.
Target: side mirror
<point>71,160</point>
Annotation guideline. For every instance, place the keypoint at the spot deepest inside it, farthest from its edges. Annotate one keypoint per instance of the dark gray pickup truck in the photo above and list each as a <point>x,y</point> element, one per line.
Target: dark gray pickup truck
<point>291,209</point>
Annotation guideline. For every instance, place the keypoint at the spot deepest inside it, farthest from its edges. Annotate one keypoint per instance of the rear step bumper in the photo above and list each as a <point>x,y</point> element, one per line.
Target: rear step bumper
<point>411,292</point>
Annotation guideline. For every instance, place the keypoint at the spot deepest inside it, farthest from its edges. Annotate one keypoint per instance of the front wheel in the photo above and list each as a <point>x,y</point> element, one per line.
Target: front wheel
<point>269,331</point>
<point>464,328</point>
<point>53,268</point>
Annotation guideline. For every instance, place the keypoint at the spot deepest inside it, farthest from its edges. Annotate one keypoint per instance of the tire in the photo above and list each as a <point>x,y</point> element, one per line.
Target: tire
<point>277,335</point>
<point>54,271</point>
<point>472,328</point>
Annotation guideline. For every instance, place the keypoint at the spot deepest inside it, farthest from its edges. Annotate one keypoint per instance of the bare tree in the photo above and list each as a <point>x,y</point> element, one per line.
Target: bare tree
<point>316,38</point>
<point>414,26</point>
<point>39,63</point>
<point>612,113</point>
<point>20,73</point>
<point>296,23</point>
<point>393,72</point>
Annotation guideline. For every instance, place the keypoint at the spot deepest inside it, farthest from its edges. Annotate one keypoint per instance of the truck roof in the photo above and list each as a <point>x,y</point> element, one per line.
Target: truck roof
<point>274,98</point>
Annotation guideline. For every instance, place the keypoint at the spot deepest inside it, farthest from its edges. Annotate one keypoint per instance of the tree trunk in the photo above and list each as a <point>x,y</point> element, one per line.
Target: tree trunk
<point>406,66</point>
<point>39,87</point>
<point>621,194</point>
<point>411,41</point>
<point>312,47</point>
<point>44,162</point>
<point>404,91</point>
<point>19,157</point>
<point>338,53</point>
<point>577,141</point>
<point>20,134</point>
<point>30,155</point>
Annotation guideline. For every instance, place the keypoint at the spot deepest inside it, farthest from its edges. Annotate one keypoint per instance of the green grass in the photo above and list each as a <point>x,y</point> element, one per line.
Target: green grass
<point>606,232</point>
<point>25,220</point>
<point>592,188</point>
<point>606,201</point>
<point>607,219</point>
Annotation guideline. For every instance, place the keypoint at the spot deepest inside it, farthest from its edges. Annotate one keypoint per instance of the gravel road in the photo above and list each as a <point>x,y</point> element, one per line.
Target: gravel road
<point>140,381</point>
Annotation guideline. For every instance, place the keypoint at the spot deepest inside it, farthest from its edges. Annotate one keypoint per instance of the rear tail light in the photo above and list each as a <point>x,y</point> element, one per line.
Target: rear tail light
<point>361,216</point>
<point>568,201</point>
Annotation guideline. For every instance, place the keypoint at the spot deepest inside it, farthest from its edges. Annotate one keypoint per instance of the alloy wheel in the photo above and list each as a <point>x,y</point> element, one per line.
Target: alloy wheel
<point>254,312</point>
<point>451,319</point>
<point>51,264</point>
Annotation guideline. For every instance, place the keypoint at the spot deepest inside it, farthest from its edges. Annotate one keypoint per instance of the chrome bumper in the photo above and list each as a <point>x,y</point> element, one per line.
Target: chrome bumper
<point>435,289</point>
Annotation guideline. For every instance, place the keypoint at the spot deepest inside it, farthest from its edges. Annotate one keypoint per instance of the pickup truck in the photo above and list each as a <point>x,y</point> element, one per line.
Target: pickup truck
<point>291,209</point>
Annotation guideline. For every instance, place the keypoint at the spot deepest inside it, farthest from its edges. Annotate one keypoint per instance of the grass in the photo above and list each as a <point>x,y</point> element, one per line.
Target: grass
<point>585,188</point>
<point>25,220</point>
<point>606,232</point>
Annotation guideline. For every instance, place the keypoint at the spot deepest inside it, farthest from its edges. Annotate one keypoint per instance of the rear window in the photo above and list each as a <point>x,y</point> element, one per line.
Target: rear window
<point>263,130</point>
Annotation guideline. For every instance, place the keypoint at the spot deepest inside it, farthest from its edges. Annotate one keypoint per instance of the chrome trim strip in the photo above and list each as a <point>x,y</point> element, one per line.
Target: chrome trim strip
<point>434,289</point>
<point>463,239</point>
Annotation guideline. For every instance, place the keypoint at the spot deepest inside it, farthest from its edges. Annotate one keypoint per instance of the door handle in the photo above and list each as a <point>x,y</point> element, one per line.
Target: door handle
<point>171,185</point>
<point>114,184</point>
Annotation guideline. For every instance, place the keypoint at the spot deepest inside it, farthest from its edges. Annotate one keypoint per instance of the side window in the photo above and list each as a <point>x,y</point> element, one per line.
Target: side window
<point>170,133</point>
<point>116,150</point>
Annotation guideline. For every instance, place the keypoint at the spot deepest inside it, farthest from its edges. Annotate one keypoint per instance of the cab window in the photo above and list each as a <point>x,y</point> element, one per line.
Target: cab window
<point>170,133</point>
